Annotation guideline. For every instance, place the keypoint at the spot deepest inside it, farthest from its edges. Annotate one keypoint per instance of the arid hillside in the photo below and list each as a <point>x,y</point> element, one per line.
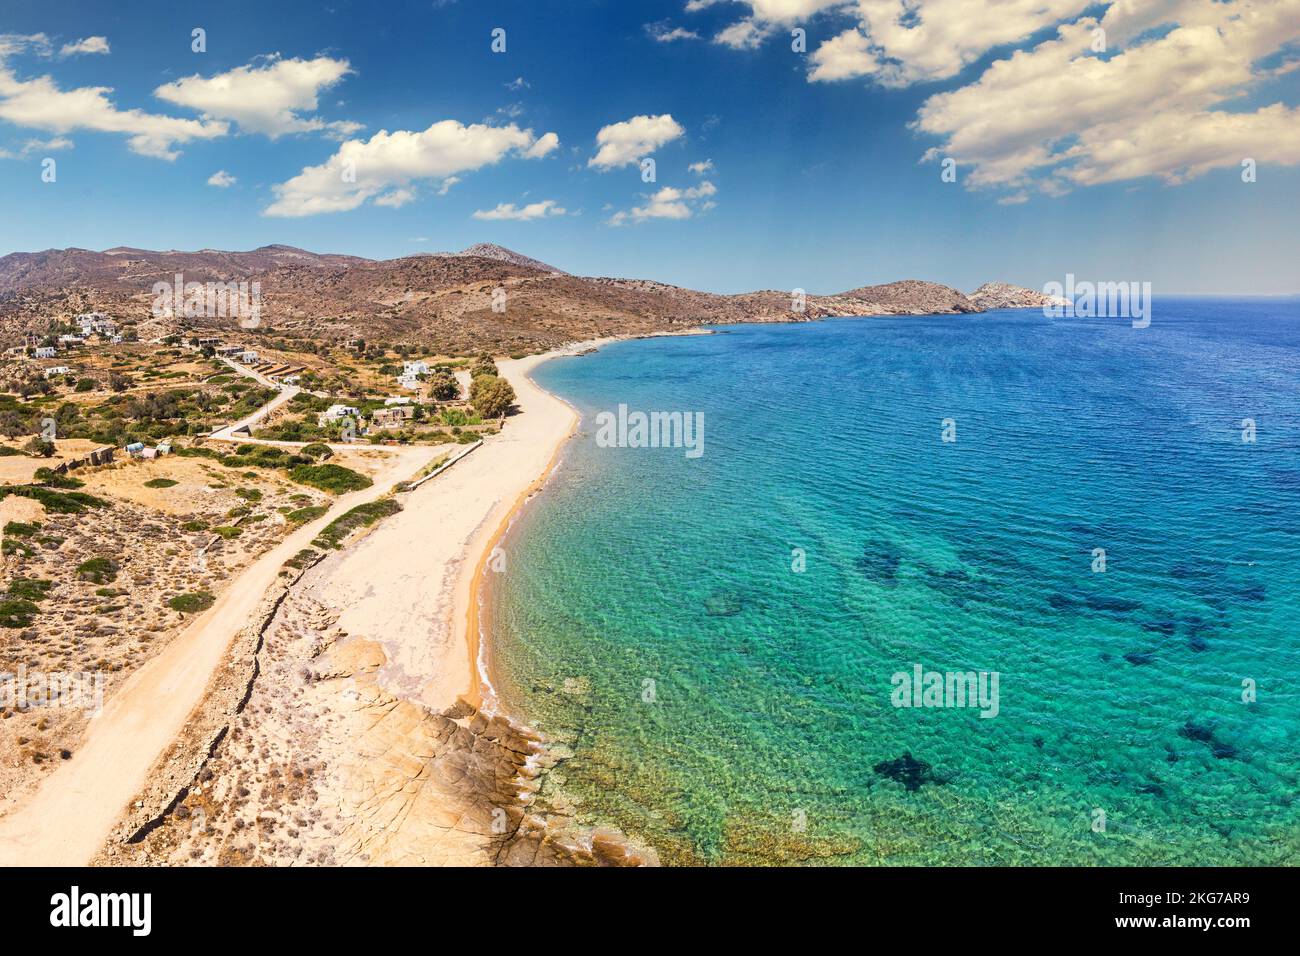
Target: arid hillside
<point>447,302</point>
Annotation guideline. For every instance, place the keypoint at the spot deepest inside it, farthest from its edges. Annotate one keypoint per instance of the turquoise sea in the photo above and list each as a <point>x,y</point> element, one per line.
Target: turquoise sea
<point>721,706</point>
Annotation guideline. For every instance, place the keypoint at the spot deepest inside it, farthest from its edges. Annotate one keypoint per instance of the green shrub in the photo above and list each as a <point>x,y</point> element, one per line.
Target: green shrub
<point>227,532</point>
<point>332,478</point>
<point>192,602</point>
<point>52,479</point>
<point>98,570</point>
<point>362,516</point>
<point>198,524</point>
<point>29,589</point>
<point>317,451</point>
<point>56,502</point>
<point>249,494</point>
<point>303,515</point>
<point>17,613</point>
<point>161,483</point>
<point>20,529</point>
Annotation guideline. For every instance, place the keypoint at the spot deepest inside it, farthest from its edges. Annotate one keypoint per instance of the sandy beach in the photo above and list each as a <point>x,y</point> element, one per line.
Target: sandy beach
<point>396,622</point>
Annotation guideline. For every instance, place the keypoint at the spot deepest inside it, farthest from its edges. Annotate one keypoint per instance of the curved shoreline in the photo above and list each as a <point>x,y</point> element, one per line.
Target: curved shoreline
<point>477,613</point>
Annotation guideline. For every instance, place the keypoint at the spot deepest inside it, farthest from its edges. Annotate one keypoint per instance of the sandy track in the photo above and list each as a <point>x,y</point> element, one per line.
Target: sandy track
<point>409,584</point>
<point>70,815</point>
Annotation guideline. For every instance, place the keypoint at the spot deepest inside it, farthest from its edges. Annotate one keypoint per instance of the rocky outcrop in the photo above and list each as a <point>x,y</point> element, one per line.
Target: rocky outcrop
<point>913,297</point>
<point>1003,295</point>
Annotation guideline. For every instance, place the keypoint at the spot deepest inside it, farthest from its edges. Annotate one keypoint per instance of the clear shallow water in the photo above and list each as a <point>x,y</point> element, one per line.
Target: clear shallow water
<point>769,737</point>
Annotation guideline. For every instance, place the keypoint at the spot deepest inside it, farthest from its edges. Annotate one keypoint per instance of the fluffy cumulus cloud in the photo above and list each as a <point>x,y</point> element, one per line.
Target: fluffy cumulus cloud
<point>221,179</point>
<point>899,42</point>
<point>1164,100</point>
<point>386,168</point>
<point>40,103</point>
<point>669,203</point>
<point>85,46</point>
<point>626,143</point>
<point>509,211</point>
<point>272,97</point>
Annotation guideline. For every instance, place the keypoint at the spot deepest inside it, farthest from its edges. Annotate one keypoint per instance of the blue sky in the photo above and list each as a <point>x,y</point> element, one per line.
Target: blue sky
<point>1122,163</point>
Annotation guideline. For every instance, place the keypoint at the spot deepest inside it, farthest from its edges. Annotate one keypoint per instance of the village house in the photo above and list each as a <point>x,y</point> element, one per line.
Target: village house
<point>338,412</point>
<point>71,340</point>
<point>46,351</point>
<point>248,357</point>
<point>393,415</point>
<point>57,370</point>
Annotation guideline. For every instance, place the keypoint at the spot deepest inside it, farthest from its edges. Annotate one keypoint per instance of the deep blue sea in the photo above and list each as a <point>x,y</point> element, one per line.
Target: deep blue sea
<point>710,642</point>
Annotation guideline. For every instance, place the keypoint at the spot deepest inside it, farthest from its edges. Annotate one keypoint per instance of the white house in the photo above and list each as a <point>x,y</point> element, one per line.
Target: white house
<point>248,357</point>
<point>46,351</point>
<point>57,370</point>
<point>71,340</point>
<point>415,368</point>
<point>337,412</point>
<point>398,400</point>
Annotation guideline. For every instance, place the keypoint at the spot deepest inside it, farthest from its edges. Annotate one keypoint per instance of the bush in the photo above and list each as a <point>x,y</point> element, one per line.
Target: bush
<point>17,613</point>
<point>249,494</point>
<point>161,483</point>
<point>86,385</point>
<point>58,502</point>
<point>98,570</point>
<point>317,451</point>
<point>29,589</point>
<point>228,532</point>
<point>332,478</point>
<point>192,602</point>
<point>198,524</point>
<point>362,516</point>
<point>303,515</point>
<point>39,447</point>
<point>491,396</point>
<point>52,479</point>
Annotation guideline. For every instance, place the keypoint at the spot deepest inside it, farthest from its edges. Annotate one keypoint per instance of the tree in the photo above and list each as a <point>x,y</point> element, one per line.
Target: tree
<point>443,385</point>
<point>40,447</point>
<point>491,396</point>
<point>118,382</point>
<point>483,365</point>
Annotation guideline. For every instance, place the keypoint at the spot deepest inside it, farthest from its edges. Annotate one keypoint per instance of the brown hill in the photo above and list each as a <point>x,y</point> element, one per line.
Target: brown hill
<point>441,302</point>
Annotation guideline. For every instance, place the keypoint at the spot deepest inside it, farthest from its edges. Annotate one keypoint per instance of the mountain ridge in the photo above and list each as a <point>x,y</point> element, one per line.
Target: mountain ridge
<point>446,301</point>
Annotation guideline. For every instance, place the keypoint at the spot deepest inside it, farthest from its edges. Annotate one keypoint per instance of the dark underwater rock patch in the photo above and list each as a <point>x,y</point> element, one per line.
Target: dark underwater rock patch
<point>1204,733</point>
<point>1140,658</point>
<point>880,563</point>
<point>723,604</point>
<point>1165,628</point>
<point>907,770</point>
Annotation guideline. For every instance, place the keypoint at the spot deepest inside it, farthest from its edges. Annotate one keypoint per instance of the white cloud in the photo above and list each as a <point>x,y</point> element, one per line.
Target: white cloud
<point>544,145</point>
<point>534,210</point>
<point>88,45</point>
<point>222,179</point>
<point>669,203</point>
<point>900,42</point>
<point>33,146</point>
<point>1160,103</point>
<point>625,143</point>
<point>843,57</point>
<point>41,104</point>
<point>383,168</point>
<point>745,34</point>
<point>447,184</point>
<point>273,98</point>
<point>702,167</point>
<point>517,84</point>
<point>665,32</point>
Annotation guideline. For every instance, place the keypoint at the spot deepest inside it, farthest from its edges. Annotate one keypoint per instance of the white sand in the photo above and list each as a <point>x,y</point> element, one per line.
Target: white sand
<point>410,584</point>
